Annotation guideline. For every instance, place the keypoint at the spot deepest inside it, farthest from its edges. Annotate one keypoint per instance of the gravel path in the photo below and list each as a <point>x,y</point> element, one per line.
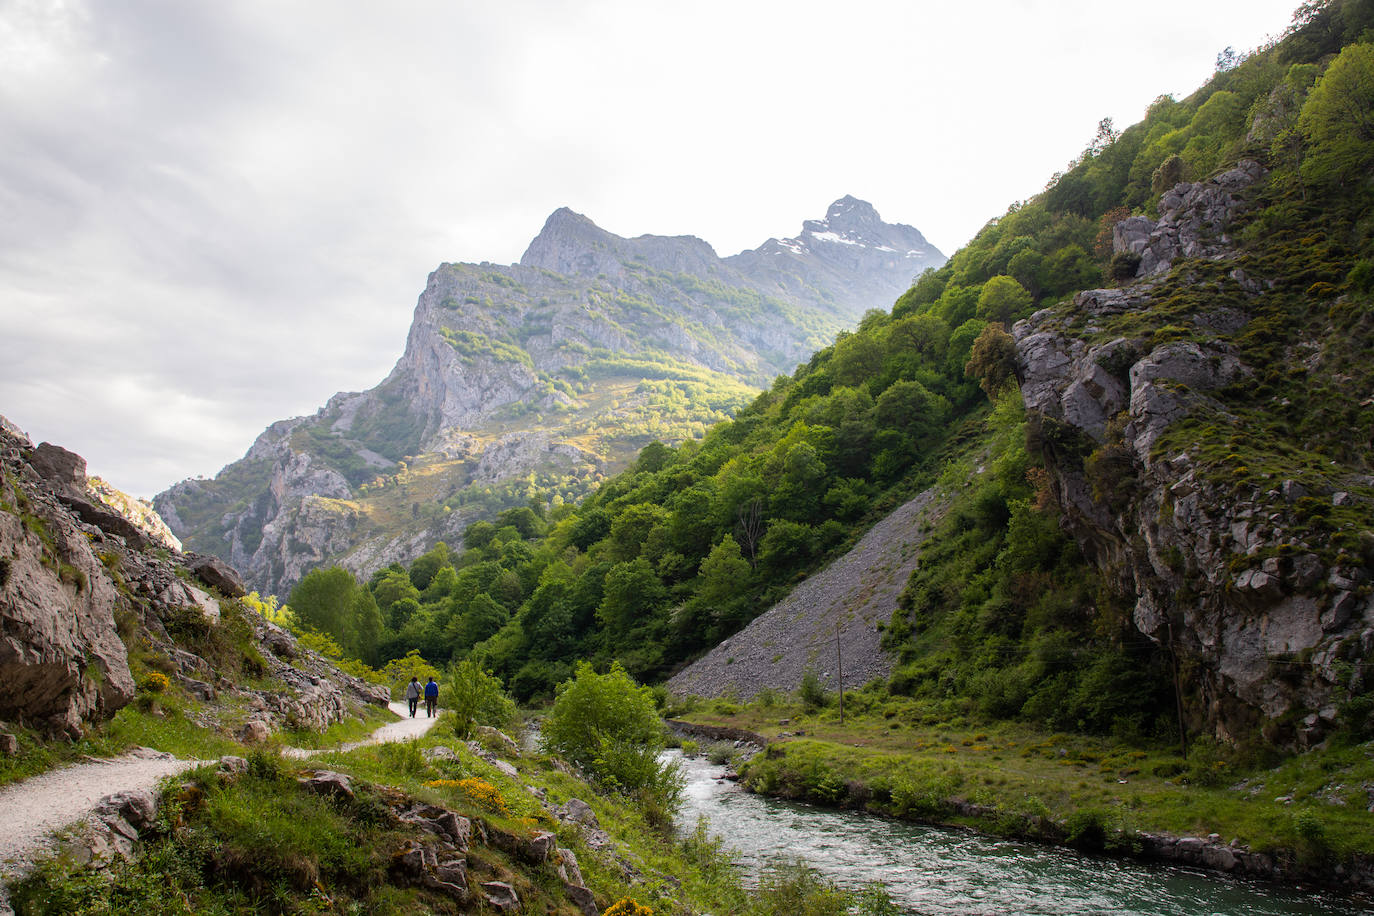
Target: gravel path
<point>30,811</point>
<point>33,810</point>
<point>404,730</point>
<point>852,595</point>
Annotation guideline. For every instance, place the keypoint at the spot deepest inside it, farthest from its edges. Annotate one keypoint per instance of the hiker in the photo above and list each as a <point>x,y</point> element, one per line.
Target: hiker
<point>431,697</point>
<point>413,694</point>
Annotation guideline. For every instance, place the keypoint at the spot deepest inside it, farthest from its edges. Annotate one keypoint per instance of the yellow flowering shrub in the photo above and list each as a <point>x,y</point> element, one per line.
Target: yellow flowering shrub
<point>628,906</point>
<point>156,682</point>
<point>484,794</point>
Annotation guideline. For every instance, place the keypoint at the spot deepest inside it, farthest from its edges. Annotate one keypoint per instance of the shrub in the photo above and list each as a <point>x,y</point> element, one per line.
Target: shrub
<point>1123,266</point>
<point>476,697</point>
<point>484,795</point>
<point>813,695</point>
<point>1086,829</point>
<point>607,726</point>
<point>628,906</point>
<point>156,682</point>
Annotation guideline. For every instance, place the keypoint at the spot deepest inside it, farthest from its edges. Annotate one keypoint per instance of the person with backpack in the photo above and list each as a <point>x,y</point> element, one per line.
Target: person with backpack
<point>413,694</point>
<point>431,698</point>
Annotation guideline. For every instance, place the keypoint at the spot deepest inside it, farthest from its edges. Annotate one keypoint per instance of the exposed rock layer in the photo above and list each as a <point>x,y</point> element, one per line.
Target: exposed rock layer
<point>1274,625</point>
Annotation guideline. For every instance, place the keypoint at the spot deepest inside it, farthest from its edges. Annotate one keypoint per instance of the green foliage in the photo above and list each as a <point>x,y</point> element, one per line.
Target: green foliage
<point>475,697</point>
<point>329,601</point>
<point>1338,119</point>
<point>1003,300</point>
<point>813,696</point>
<point>608,727</point>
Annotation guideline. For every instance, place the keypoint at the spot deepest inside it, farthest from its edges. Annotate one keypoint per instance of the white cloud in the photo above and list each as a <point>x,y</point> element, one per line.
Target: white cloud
<point>218,214</point>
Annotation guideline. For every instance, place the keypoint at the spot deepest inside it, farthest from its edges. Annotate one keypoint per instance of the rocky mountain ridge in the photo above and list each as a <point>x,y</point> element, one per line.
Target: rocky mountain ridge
<point>536,379</point>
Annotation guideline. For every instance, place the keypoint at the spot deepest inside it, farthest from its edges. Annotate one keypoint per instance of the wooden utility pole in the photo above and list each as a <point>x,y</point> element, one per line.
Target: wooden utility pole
<point>839,666</point>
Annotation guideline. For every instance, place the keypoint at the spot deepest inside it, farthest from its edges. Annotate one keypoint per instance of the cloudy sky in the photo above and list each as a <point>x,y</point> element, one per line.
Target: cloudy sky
<point>216,213</point>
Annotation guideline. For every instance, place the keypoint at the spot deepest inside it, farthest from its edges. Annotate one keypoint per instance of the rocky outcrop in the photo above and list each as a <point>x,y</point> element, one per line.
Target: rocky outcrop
<point>532,368</point>
<point>77,578</point>
<point>62,661</point>
<point>1272,620</point>
<point>1193,223</point>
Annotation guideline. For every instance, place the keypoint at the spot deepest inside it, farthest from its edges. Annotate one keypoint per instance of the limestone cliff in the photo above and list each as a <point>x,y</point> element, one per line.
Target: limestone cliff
<point>536,379</point>
<point>80,584</point>
<point>1160,410</point>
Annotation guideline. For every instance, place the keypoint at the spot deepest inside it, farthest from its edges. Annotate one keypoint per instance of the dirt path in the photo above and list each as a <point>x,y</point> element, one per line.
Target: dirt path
<point>33,810</point>
<point>404,730</point>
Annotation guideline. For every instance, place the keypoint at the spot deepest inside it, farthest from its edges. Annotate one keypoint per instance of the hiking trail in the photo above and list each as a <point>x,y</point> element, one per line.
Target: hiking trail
<point>33,810</point>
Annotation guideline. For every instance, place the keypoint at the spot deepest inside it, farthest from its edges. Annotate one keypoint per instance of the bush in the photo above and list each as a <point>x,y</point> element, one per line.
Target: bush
<point>606,725</point>
<point>1086,829</point>
<point>813,695</point>
<point>476,697</point>
<point>1123,266</point>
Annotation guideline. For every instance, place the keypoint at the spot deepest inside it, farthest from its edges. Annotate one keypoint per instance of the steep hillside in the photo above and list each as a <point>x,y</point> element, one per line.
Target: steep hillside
<point>1203,424</point>
<point>535,380</point>
<point>830,625</point>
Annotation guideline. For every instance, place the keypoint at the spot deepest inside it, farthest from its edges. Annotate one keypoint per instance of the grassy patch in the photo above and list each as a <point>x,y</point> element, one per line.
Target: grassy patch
<point>1028,782</point>
<point>353,728</point>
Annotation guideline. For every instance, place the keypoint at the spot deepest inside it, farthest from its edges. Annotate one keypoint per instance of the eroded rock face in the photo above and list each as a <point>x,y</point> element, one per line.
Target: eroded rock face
<point>491,345</point>
<point>1273,630</point>
<point>1193,222</point>
<point>61,659</point>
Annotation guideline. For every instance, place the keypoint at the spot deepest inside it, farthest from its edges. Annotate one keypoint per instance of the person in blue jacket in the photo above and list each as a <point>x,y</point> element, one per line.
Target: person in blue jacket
<point>431,698</point>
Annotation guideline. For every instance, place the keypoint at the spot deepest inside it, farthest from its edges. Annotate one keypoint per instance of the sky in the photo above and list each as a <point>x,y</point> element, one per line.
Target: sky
<point>215,215</point>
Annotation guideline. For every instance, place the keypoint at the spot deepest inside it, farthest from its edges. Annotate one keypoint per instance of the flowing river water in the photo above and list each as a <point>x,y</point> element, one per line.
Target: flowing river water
<point>929,870</point>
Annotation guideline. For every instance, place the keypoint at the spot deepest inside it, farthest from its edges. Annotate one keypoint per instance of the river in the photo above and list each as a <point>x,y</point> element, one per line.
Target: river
<point>930,870</point>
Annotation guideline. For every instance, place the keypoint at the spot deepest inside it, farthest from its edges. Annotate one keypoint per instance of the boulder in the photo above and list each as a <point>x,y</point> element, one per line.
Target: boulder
<point>327,782</point>
<point>233,766</point>
<point>59,467</point>
<point>215,572</point>
<point>501,896</point>
<point>497,739</point>
<point>577,811</point>
<point>255,731</point>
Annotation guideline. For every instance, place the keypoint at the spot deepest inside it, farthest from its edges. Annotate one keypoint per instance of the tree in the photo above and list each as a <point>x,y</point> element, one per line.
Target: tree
<point>479,620</point>
<point>724,574</point>
<point>367,625</point>
<point>323,601</point>
<point>607,726</point>
<point>993,360</point>
<point>912,408</point>
<point>1003,299</point>
<point>631,594</point>
<point>475,697</point>
<point>1338,118</point>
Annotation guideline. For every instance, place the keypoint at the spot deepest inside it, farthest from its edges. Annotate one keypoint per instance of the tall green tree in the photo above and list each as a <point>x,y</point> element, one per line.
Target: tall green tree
<point>323,601</point>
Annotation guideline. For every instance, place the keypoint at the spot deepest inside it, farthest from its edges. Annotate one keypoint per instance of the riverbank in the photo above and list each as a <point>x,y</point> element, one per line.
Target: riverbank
<point>1306,818</point>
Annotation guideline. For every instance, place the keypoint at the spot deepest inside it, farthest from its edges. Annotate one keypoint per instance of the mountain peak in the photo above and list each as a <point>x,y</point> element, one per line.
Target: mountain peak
<point>849,211</point>
<point>565,243</point>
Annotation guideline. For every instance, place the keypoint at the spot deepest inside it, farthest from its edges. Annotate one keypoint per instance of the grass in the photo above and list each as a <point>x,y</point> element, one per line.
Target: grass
<point>904,758</point>
<point>263,843</point>
<point>353,728</point>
